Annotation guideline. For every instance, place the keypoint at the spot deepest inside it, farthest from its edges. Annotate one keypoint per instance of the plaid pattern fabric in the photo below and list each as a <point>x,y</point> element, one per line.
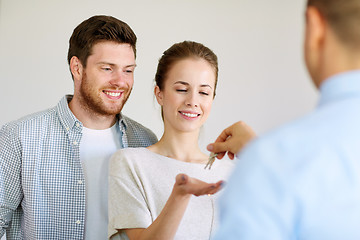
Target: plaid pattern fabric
<point>42,185</point>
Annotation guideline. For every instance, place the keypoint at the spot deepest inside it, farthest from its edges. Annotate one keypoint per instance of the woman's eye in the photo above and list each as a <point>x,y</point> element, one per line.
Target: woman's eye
<point>181,90</point>
<point>204,93</point>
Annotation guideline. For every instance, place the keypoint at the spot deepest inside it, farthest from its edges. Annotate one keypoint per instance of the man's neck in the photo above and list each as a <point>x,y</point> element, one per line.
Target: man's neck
<point>338,59</point>
<point>90,119</point>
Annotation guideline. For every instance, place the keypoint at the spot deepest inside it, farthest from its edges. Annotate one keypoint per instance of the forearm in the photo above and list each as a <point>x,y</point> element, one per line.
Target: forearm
<point>168,221</point>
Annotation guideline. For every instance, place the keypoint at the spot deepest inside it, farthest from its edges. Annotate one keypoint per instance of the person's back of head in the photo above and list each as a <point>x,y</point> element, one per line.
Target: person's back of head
<point>332,38</point>
<point>344,18</point>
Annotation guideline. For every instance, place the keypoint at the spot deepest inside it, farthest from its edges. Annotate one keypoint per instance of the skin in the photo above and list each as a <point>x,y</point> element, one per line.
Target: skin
<point>232,140</point>
<point>325,55</point>
<point>103,87</point>
<point>189,88</point>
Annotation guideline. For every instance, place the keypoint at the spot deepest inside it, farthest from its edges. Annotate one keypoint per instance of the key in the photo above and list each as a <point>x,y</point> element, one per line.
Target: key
<point>212,158</point>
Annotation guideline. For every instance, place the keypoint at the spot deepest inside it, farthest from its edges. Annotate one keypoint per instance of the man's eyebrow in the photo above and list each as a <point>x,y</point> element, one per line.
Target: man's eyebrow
<point>112,64</point>
<point>131,65</point>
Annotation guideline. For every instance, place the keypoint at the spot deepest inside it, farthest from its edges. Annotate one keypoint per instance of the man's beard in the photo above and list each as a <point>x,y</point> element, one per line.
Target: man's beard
<point>92,101</point>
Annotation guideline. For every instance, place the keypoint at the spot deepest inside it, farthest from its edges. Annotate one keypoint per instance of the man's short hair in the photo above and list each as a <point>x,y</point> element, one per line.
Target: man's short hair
<point>97,29</point>
<point>343,17</point>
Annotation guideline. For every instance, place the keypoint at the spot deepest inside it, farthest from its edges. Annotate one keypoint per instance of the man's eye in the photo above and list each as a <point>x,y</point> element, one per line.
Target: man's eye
<point>181,90</point>
<point>106,69</point>
<point>129,71</point>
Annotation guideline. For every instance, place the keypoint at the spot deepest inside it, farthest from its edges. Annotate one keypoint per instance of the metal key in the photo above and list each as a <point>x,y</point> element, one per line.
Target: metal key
<point>212,158</point>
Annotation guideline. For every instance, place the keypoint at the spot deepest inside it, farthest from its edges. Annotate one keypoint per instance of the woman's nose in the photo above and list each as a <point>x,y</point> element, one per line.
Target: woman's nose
<point>192,100</point>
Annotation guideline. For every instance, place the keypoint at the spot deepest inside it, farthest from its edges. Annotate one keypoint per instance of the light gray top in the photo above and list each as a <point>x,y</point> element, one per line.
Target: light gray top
<point>140,183</point>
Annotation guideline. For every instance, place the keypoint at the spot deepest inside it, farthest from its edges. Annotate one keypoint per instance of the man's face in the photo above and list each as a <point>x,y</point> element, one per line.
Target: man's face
<point>108,78</point>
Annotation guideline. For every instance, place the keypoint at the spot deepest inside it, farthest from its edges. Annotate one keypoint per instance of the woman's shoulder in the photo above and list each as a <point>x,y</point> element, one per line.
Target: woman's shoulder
<point>131,153</point>
<point>128,157</point>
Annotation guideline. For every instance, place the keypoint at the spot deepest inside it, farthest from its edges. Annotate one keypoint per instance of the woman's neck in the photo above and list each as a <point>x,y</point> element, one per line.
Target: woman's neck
<point>180,146</point>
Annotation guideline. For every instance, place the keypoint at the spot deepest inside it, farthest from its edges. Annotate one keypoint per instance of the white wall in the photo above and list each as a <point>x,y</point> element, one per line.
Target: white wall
<point>262,78</point>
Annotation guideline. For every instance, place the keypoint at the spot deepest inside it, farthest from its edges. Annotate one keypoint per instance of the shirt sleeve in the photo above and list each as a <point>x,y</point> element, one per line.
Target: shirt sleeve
<point>10,178</point>
<point>257,203</point>
<point>128,207</point>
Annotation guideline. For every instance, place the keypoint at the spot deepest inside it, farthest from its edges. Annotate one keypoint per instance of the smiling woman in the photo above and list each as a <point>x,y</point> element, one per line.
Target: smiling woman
<point>187,95</point>
<point>144,202</point>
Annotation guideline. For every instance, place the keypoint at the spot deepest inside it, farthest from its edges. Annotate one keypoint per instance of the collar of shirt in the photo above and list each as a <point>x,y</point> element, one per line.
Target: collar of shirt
<point>69,121</point>
<point>340,86</point>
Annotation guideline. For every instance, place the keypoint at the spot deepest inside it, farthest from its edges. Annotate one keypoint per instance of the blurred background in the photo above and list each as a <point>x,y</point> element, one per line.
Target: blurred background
<point>262,77</point>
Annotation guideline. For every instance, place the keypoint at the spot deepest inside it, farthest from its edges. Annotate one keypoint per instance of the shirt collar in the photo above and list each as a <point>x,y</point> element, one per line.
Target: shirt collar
<point>69,120</point>
<point>340,86</point>
<point>122,122</point>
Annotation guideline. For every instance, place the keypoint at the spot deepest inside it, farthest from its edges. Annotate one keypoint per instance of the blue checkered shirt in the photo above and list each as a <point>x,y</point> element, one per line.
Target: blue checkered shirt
<point>42,190</point>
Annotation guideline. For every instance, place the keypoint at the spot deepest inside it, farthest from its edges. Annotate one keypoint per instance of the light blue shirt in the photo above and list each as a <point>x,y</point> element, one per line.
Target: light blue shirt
<point>301,181</point>
<point>42,184</point>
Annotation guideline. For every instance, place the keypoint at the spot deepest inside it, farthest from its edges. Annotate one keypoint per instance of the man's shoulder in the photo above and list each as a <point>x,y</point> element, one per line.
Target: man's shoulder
<point>292,139</point>
<point>137,132</point>
<point>35,119</point>
<point>132,123</point>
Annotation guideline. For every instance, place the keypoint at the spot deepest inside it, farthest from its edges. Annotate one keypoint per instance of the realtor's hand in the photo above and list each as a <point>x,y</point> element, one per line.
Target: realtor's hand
<point>232,140</point>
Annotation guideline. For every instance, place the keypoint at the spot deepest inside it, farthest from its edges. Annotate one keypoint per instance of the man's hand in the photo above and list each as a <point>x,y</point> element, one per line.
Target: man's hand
<point>232,140</point>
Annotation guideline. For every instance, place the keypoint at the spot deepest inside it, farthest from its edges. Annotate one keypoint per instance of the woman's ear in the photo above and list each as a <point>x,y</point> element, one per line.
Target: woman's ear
<point>76,68</point>
<point>159,95</point>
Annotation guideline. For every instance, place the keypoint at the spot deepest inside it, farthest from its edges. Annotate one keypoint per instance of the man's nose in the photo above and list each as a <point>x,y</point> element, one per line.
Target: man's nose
<point>117,79</point>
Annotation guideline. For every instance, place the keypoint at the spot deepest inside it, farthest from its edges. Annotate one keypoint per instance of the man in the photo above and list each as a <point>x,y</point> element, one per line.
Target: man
<point>303,180</point>
<point>53,164</point>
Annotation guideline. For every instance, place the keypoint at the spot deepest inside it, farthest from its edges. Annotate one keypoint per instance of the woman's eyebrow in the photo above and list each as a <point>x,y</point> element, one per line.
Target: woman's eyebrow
<point>205,85</point>
<point>187,84</point>
<point>182,82</point>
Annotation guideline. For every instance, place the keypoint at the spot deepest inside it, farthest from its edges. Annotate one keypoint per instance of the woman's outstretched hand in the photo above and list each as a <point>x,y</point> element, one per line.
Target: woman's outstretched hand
<point>186,185</point>
<point>167,223</point>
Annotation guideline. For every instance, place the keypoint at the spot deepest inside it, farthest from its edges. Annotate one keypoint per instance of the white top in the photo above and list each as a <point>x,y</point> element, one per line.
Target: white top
<point>140,183</point>
<point>96,148</point>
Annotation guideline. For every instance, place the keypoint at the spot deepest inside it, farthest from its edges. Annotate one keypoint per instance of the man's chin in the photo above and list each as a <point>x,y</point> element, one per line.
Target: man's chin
<point>113,110</point>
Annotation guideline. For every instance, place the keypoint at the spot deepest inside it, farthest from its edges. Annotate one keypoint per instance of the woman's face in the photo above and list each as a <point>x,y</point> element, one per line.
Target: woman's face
<point>187,95</point>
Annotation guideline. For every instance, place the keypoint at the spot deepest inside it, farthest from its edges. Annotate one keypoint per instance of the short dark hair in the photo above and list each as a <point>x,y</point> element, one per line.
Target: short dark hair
<point>343,17</point>
<point>180,51</point>
<point>97,29</point>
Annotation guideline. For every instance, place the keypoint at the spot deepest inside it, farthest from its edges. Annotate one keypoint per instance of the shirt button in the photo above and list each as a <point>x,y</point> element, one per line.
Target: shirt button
<point>67,128</point>
<point>80,181</point>
<point>78,124</point>
<point>78,222</point>
<point>75,142</point>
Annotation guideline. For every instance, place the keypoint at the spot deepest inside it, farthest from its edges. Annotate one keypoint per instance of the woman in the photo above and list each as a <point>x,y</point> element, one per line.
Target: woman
<point>145,203</point>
